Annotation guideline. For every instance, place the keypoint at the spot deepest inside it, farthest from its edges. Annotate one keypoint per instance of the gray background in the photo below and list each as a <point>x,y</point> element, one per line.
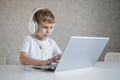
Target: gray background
<point>73,17</point>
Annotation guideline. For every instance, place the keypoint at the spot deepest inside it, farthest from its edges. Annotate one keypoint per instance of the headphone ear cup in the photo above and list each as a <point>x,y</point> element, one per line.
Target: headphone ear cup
<point>35,26</point>
<point>31,26</point>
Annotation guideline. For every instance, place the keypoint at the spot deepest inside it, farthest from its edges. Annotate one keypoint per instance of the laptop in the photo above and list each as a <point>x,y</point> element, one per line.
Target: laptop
<point>80,52</point>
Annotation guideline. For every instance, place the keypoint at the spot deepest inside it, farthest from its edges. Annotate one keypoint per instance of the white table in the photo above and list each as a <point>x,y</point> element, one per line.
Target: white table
<point>101,71</point>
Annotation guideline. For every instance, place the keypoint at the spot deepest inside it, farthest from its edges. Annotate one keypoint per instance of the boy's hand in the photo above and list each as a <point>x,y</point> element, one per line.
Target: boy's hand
<point>47,62</point>
<point>53,59</point>
<point>56,58</point>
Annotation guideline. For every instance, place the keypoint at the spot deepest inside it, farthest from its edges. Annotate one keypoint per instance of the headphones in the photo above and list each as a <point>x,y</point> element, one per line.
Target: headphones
<point>33,25</point>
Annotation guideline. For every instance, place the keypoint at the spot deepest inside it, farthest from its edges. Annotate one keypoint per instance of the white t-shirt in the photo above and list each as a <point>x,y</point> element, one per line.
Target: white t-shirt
<point>40,49</point>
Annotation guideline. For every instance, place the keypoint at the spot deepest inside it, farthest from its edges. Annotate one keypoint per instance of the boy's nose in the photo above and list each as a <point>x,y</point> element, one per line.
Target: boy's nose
<point>48,31</point>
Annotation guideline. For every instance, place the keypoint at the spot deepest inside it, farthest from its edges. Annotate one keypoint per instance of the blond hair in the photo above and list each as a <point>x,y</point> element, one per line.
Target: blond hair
<point>43,15</point>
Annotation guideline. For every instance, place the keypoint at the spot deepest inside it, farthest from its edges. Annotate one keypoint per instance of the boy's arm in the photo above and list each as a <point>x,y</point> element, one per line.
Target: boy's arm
<point>26,60</point>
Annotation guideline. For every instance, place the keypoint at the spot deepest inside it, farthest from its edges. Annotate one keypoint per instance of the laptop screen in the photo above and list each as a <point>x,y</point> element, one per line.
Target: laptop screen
<point>81,52</point>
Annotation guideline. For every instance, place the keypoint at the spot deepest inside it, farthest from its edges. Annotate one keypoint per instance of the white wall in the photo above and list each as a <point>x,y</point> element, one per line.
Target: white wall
<point>73,17</point>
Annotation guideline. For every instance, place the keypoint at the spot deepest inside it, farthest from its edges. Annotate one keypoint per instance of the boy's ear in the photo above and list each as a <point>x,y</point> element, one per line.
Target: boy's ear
<point>53,26</point>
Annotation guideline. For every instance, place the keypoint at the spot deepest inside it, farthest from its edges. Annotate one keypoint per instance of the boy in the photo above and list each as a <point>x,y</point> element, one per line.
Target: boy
<point>38,49</point>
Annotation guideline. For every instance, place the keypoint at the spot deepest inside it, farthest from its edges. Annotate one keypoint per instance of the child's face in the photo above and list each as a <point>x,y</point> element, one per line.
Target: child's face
<point>45,29</point>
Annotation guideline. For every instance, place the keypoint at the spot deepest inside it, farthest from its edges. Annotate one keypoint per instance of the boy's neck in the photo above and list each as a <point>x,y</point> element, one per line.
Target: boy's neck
<point>38,37</point>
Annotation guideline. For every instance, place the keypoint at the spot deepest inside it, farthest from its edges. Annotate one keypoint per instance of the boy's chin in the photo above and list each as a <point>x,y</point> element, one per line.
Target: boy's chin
<point>45,37</point>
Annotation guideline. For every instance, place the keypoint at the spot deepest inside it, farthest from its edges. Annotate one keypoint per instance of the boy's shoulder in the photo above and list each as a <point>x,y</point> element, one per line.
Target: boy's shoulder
<point>31,38</point>
<point>28,37</point>
<point>51,40</point>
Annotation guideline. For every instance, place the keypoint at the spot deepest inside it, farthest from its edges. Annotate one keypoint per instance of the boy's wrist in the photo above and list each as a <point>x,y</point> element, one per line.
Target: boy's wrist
<point>44,62</point>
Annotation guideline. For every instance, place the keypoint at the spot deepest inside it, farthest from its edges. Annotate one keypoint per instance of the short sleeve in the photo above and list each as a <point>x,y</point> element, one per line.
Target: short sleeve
<point>25,45</point>
<point>56,49</point>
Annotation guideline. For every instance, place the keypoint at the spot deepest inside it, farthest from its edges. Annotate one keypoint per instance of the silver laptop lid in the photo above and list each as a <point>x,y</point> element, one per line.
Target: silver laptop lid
<point>81,52</point>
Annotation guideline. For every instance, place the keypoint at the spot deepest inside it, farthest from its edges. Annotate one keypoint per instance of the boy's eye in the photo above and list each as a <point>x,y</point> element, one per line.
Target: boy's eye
<point>51,27</point>
<point>44,27</point>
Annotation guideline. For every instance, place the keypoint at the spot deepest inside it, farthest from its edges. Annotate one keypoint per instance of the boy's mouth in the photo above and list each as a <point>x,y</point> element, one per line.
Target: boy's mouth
<point>46,35</point>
